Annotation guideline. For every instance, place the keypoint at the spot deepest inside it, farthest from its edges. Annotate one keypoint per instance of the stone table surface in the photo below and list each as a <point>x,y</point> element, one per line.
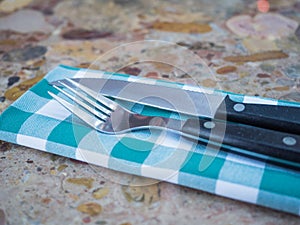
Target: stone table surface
<point>245,46</point>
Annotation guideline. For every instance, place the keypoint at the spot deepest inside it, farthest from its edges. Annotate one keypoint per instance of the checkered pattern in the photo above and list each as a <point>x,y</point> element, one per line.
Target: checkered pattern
<point>37,121</point>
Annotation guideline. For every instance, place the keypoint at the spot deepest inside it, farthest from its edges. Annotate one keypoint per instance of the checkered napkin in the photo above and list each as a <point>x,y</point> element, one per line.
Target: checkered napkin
<point>37,121</point>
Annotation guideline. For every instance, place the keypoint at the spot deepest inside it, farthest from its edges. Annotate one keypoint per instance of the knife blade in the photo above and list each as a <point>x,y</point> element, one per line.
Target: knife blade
<point>196,103</point>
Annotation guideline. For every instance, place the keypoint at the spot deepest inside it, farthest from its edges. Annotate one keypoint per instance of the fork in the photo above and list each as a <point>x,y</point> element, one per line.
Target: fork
<point>109,117</point>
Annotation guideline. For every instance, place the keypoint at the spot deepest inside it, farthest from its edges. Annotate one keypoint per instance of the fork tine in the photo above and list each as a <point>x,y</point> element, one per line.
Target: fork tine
<point>90,109</point>
<point>93,103</point>
<point>88,118</point>
<point>103,100</point>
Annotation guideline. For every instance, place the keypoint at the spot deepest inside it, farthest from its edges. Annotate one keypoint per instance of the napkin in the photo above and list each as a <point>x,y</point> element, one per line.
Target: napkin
<point>37,121</point>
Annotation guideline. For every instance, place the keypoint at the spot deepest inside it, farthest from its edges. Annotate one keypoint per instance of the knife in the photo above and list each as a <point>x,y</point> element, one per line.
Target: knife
<point>195,103</point>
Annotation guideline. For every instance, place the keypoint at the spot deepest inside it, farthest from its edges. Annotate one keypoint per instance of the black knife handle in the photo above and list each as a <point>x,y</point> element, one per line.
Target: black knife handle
<point>266,142</point>
<point>275,117</point>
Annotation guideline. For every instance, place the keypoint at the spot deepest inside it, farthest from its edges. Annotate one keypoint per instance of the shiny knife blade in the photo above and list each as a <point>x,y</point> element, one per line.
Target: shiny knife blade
<point>162,97</point>
<point>196,103</point>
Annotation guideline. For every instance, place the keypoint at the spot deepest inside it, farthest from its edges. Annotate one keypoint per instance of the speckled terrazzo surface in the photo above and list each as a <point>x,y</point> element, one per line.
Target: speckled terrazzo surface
<point>245,50</point>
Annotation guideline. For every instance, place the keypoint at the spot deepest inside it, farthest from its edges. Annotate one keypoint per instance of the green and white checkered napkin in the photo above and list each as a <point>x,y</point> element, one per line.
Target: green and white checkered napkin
<point>37,121</point>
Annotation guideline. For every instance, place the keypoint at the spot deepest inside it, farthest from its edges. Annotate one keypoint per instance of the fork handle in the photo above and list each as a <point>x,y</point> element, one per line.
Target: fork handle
<point>252,139</point>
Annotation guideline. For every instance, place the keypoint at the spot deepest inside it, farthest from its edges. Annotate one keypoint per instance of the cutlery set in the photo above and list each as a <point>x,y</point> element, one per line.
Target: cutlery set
<point>269,132</point>
<point>236,146</point>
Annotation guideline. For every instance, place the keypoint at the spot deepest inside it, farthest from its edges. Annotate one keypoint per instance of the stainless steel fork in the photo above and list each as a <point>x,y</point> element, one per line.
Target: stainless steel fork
<point>109,117</point>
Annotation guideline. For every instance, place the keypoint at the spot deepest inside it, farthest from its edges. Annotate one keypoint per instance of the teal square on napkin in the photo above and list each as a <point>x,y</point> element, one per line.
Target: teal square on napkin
<point>281,183</point>
<point>11,123</point>
<point>58,134</point>
<point>132,150</point>
<point>212,171</point>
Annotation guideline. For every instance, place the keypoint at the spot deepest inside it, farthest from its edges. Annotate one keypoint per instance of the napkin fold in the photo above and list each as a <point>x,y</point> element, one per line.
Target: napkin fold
<point>37,121</point>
